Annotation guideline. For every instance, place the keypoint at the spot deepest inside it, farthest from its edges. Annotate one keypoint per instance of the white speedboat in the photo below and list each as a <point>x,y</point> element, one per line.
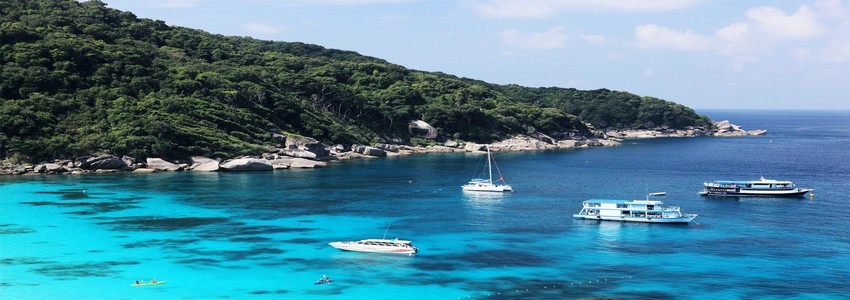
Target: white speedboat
<point>647,211</point>
<point>487,184</point>
<point>761,187</point>
<point>378,245</point>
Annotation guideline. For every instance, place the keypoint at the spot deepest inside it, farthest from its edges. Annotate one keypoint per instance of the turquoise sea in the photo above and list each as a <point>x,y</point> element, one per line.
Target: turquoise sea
<point>265,235</point>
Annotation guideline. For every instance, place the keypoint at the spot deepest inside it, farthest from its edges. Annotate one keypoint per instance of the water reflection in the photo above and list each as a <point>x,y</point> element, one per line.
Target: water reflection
<point>484,198</point>
<point>610,232</point>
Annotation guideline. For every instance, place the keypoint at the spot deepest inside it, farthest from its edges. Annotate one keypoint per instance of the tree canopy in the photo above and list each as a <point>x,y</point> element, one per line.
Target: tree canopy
<point>79,78</point>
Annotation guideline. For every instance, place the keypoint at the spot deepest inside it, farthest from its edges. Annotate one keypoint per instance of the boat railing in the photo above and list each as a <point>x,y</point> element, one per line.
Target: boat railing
<point>671,208</point>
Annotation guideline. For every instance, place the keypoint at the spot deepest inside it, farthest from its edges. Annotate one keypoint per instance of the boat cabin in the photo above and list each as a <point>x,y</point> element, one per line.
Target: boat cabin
<point>628,208</point>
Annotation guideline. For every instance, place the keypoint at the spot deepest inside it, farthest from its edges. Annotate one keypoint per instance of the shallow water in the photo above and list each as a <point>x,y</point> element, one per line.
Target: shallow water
<point>265,235</point>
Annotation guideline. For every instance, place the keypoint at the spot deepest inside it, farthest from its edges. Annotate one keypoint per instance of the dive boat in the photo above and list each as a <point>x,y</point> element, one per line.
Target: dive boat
<point>647,211</point>
<point>761,187</point>
<point>378,245</point>
<point>487,184</point>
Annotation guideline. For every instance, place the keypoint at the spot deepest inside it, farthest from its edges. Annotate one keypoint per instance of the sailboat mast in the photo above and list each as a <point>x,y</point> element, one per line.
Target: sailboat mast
<point>489,168</point>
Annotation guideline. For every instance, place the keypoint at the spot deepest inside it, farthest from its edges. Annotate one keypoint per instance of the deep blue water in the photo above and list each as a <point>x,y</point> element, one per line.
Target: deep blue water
<point>265,235</point>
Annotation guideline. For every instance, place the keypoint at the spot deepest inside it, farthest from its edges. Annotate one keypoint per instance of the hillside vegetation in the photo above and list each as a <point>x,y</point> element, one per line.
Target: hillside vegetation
<point>78,78</point>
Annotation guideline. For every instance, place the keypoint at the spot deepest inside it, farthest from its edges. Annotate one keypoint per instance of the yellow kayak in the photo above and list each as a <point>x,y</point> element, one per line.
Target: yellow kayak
<point>148,283</point>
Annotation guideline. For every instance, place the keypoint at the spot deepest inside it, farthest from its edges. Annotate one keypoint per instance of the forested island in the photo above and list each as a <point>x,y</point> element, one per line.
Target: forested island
<point>79,79</point>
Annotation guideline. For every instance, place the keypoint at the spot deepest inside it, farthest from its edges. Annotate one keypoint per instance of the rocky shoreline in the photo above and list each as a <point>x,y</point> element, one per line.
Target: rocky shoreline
<point>305,152</point>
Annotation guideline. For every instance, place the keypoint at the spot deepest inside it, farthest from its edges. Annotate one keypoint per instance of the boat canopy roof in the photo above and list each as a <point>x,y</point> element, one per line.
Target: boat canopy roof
<point>765,181</point>
<point>648,202</point>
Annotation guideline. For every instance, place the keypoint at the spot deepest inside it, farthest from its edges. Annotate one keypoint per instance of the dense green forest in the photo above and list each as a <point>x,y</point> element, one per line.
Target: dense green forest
<point>78,78</point>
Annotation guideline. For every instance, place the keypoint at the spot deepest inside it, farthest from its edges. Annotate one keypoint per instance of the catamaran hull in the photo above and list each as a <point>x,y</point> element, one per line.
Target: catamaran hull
<point>680,220</point>
<point>487,189</point>
<point>757,193</point>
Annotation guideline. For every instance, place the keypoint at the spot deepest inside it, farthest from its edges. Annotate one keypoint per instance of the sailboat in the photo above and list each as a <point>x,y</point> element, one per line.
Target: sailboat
<point>488,185</point>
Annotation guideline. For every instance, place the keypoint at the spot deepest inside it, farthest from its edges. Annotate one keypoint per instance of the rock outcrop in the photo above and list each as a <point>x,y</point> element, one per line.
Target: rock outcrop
<point>726,128</point>
<point>368,151</point>
<point>304,152</point>
<point>203,164</point>
<point>296,162</point>
<point>246,164</point>
<point>160,164</point>
<point>104,162</point>
<point>304,147</point>
<point>422,128</point>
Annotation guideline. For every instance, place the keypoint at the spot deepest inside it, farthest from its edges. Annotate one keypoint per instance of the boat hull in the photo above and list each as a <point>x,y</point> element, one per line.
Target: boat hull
<point>347,246</point>
<point>757,193</point>
<point>680,220</point>
<point>495,188</point>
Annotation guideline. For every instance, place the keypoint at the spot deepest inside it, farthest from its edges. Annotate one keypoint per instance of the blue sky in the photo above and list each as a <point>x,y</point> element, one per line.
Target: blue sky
<point>725,54</point>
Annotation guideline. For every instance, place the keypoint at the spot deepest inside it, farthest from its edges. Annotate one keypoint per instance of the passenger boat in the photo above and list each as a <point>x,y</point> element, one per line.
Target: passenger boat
<point>761,187</point>
<point>487,184</point>
<point>647,211</point>
<point>378,245</point>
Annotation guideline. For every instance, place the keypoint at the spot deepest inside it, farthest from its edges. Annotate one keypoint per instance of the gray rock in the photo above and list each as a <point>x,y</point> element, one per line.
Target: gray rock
<point>143,170</point>
<point>387,147</point>
<point>246,164</point>
<point>724,125</point>
<point>368,151</point>
<point>54,168</point>
<point>161,165</point>
<point>438,148</point>
<point>104,162</point>
<point>422,128</point>
<point>128,160</point>
<point>757,132</point>
<point>295,162</point>
<point>203,164</point>
<point>305,144</point>
<point>299,153</point>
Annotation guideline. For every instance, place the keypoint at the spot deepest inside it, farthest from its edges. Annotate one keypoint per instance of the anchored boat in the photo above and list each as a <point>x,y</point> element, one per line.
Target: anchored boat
<point>647,211</point>
<point>487,184</point>
<point>761,187</point>
<point>378,245</point>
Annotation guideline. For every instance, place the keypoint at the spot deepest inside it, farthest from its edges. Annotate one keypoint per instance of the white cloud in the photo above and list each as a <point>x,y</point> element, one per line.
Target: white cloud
<point>594,38</point>
<point>654,36</point>
<point>775,22</point>
<point>836,52</point>
<point>547,8</point>
<point>765,30</point>
<point>552,39</point>
<point>262,28</point>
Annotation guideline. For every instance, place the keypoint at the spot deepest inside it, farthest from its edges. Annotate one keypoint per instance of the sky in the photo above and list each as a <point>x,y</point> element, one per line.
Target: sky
<point>705,54</point>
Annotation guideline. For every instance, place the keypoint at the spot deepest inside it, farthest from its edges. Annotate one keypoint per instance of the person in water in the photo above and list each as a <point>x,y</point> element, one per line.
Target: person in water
<point>154,280</point>
<point>137,282</point>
